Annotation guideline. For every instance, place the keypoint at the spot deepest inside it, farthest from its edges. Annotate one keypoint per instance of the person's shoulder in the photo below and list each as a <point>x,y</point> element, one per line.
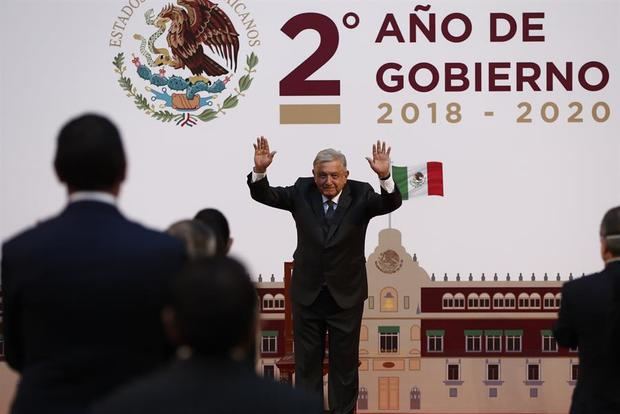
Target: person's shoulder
<point>287,399</point>
<point>304,181</point>
<point>29,236</point>
<point>582,284</point>
<point>303,184</point>
<point>359,184</point>
<point>141,395</point>
<point>155,238</point>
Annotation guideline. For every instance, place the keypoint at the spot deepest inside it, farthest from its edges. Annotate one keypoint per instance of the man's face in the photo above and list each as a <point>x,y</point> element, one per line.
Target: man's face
<point>330,177</point>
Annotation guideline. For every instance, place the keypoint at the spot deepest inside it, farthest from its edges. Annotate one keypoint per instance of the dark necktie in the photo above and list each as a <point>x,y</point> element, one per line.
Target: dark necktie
<point>329,213</point>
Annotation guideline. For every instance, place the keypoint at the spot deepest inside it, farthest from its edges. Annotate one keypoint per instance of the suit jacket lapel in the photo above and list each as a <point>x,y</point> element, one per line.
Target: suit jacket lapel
<point>316,202</point>
<point>343,205</point>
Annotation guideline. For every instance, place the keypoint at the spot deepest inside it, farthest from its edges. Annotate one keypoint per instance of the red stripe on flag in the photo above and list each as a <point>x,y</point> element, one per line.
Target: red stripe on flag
<point>435,178</point>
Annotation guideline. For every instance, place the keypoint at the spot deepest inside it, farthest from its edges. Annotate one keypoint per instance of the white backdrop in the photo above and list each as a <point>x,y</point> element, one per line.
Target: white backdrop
<point>519,197</point>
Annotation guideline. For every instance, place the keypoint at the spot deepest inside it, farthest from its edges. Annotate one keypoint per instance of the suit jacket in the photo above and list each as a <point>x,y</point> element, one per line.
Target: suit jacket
<point>585,322</point>
<point>208,385</point>
<point>82,299</point>
<point>334,255</point>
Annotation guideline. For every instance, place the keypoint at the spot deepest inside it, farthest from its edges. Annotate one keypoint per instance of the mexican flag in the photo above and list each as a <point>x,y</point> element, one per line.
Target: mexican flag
<point>419,180</point>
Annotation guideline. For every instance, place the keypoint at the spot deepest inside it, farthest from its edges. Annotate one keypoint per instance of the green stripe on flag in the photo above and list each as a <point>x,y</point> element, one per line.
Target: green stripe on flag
<point>401,179</point>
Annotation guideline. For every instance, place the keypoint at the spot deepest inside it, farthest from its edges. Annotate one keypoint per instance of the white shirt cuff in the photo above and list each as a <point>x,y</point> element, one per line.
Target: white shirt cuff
<point>258,176</point>
<point>388,184</point>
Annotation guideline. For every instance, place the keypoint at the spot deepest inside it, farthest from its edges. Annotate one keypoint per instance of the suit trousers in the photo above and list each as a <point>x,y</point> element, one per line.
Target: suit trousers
<point>310,324</point>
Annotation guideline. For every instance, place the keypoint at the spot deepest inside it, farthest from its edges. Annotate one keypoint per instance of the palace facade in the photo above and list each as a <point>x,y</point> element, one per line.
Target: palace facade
<point>440,346</point>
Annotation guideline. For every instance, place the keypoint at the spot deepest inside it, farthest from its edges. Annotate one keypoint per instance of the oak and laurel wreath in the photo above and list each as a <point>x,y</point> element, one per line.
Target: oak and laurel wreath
<point>207,115</point>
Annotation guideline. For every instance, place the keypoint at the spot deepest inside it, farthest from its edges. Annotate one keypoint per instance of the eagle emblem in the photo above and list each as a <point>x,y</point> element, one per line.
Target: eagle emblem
<point>187,61</point>
<point>198,23</point>
<point>417,180</point>
<point>389,262</point>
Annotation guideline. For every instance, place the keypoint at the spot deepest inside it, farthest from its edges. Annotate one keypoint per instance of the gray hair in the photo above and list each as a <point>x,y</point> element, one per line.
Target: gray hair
<point>199,239</point>
<point>328,155</point>
<point>610,230</point>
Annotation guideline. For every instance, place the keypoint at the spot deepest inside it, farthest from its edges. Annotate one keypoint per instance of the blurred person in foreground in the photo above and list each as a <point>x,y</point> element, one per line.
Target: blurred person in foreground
<point>213,318</point>
<point>200,240</point>
<point>215,219</point>
<point>83,291</point>
<point>589,319</point>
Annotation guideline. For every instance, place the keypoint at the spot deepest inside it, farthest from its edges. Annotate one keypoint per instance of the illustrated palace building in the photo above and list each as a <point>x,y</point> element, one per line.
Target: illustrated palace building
<point>439,346</point>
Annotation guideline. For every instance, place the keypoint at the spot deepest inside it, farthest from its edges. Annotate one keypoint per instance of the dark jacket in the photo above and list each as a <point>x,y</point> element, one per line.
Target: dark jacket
<point>588,320</point>
<point>334,255</point>
<point>82,299</point>
<point>208,385</point>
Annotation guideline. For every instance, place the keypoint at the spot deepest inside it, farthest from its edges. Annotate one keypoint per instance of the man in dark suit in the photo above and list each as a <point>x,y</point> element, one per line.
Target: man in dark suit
<point>213,318</point>
<point>83,291</point>
<point>589,319</point>
<point>329,283</point>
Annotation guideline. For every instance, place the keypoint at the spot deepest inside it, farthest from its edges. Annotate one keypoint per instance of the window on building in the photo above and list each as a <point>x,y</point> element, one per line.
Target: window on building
<point>492,372</point>
<point>454,372</point>
<point>493,341</point>
<point>498,301</point>
<point>389,300</point>
<point>513,340</point>
<point>434,340</point>
<point>388,338</point>
<point>371,302</point>
<point>533,372</point>
<point>362,399</point>
<point>278,301</point>
<point>473,301</point>
<point>558,300</point>
<point>268,302</point>
<point>406,302</point>
<point>447,302</point>
<point>415,398</point>
<point>485,301</point>
<point>510,301</point>
<point>574,372</point>
<point>269,342</point>
<point>269,371</point>
<point>524,301</point>
<point>459,301</point>
<point>535,301</point>
<point>549,301</point>
<point>549,344</point>
<point>415,332</point>
<point>363,333</point>
<point>473,341</point>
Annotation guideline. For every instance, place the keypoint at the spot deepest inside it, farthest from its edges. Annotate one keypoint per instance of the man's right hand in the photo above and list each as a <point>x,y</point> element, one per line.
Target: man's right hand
<point>262,156</point>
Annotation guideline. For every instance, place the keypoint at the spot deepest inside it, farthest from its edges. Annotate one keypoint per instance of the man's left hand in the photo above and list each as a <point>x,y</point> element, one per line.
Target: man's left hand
<point>380,161</point>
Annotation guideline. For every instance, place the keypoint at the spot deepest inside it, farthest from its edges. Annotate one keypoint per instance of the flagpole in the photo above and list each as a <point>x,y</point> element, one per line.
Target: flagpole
<point>390,213</point>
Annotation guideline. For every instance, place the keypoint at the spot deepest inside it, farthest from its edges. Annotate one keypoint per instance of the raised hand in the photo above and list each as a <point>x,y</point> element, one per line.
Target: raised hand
<point>262,156</point>
<point>380,161</point>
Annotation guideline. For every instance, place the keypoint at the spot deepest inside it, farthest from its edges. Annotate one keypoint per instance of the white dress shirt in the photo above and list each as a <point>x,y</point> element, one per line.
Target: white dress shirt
<point>100,196</point>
